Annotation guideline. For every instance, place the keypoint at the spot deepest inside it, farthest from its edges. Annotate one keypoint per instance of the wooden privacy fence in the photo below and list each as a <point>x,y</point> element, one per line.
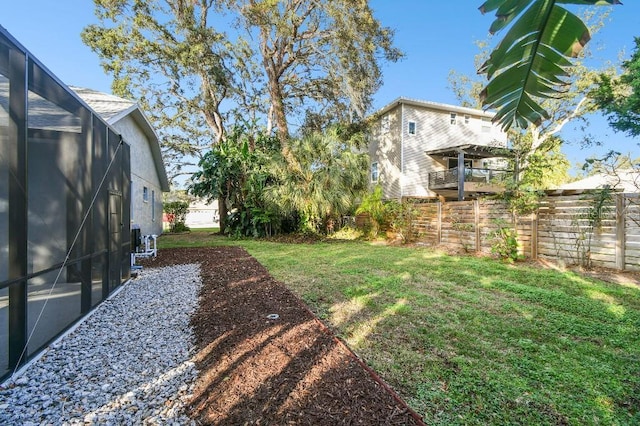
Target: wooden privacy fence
<point>585,229</point>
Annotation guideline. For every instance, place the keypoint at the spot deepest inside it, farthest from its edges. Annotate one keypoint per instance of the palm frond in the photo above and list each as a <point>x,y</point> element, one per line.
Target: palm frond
<point>532,60</point>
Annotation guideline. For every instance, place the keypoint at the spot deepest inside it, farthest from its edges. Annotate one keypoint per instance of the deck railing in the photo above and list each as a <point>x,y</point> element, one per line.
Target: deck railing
<point>449,178</point>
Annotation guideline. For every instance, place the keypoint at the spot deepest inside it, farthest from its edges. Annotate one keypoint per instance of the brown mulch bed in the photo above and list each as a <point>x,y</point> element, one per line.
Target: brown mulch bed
<point>256,370</point>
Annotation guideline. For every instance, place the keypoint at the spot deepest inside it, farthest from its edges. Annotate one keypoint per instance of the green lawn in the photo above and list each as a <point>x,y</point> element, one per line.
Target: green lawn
<point>469,340</point>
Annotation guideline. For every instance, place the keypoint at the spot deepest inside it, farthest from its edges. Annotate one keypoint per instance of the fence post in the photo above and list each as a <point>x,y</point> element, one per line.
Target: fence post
<point>439,224</point>
<point>620,232</point>
<point>534,235</point>
<point>476,222</point>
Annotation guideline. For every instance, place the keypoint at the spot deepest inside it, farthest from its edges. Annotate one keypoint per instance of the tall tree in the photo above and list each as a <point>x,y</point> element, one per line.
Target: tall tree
<point>611,163</point>
<point>532,60</point>
<point>619,98</point>
<point>547,167</point>
<point>318,55</point>
<point>166,55</point>
<point>273,62</point>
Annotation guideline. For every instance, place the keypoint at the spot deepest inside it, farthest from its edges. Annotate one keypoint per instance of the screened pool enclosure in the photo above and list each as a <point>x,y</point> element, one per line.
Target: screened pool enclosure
<point>64,207</point>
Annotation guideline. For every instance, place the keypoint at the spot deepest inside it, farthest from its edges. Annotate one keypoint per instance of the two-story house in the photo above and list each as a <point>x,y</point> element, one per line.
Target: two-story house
<point>421,149</point>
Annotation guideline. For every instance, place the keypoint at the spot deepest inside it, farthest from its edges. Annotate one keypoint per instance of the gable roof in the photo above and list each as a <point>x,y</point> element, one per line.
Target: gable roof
<point>434,105</point>
<point>110,107</point>
<point>113,109</point>
<point>623,180</point>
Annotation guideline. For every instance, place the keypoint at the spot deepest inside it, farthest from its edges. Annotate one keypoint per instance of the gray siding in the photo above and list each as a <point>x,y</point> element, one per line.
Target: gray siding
<point>147,214</point>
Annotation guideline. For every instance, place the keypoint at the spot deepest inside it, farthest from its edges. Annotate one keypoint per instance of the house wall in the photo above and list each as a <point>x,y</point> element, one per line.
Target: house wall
<point>146,213</point>
<point>385,149</point>
<point>202,215</point>
<point>430,126</point>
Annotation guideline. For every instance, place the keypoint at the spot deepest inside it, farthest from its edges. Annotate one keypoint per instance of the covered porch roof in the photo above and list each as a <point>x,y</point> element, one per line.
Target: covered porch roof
<point>471,151</point>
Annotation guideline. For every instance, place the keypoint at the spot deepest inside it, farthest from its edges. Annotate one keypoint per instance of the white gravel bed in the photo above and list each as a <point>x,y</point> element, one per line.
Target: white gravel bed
<point>128,363</point>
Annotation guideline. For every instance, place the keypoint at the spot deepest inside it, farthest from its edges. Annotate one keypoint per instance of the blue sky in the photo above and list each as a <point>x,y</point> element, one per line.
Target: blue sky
<point>436,37</point>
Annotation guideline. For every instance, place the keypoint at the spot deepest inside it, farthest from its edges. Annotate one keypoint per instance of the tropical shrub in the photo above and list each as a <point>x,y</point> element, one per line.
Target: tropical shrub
<point>237,172</point>
<point>319,178</point>
<point>401,216</point>
<point>504,241</point>
<point>374,207</point>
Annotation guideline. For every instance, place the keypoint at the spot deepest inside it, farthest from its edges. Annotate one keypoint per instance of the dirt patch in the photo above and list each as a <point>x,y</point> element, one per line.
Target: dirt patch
<point>626,278</point>
<point>264,358</point>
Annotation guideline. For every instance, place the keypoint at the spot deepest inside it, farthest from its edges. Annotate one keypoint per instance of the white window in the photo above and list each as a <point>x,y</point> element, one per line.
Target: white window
<point>374,172</point>
<point>153,206</point>
<point>467,118</point>
<point>453,118</point>
<point>412,128</point>
<point>145,194</point>
<point>384,125</point>
<point>486,125</point>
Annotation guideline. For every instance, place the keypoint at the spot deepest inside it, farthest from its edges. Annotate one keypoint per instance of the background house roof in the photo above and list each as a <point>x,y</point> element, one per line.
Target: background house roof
<point>113,109</point>
<point>623,180</point>
<point>110,107</point>
<point>434,105</point>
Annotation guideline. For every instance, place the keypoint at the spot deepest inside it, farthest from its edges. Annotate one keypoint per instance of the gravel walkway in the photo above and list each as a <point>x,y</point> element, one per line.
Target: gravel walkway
<point>128,363</point>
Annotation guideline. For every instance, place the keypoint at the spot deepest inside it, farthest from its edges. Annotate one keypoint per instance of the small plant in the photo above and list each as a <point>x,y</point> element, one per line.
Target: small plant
<point>599,208</point>
<point>180,227</point>
<point>373,205</point>
<point>462,229</point>
<point>521,199</point>
<point>504,241</point>
<point>176,215</point>
<point>347,233</point>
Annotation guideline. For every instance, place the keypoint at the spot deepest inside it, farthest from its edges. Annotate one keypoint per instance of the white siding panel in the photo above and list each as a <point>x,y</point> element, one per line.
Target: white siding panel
<point>436,131</point>
<point>385,150</point>
<point>417,164</point>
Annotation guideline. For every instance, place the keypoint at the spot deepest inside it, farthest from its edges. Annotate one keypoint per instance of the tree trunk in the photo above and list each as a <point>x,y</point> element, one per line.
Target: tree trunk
<point>277,104</point>
<point>279,116</point>
<point>223,207</point>
<point>270,120</point>
<point>273,62</point>
<point>223,211</point>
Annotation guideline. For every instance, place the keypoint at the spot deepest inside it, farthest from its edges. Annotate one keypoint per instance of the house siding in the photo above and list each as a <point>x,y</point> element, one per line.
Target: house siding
<point>385,149</point>
<point>440,133</point>
<point>146,214</point>
<point>203,215</point>
<point>417,164</point>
